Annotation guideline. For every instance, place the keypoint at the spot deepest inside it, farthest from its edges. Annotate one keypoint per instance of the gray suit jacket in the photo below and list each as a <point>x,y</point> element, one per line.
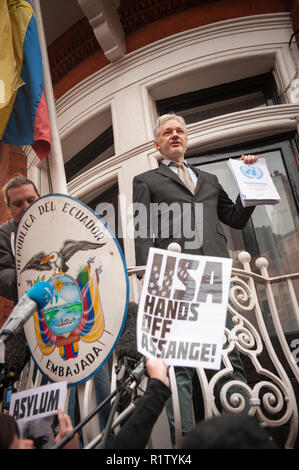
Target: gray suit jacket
<point>198,214</point>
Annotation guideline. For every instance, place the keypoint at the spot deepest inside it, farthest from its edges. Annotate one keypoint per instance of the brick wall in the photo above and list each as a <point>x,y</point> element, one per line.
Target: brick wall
<point>75,55</point>
<point>293,7</point>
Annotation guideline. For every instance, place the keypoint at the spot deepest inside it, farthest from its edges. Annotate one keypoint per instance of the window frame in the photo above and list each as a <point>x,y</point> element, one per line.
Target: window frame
<point>264,83</point>
<point>288,144</point>
<point>89,153</point>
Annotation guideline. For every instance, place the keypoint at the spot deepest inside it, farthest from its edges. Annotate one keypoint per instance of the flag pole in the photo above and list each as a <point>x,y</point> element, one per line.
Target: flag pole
<point>55,158</point>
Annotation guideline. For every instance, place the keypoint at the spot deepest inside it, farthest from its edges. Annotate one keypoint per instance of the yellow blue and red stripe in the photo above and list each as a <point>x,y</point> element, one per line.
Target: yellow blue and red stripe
<point>28,123</point>
<point>92,324</point>
<point>45,339</point>
<point>90,328</point>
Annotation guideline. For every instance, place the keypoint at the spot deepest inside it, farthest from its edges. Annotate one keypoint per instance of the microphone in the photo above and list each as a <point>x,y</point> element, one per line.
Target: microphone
<point>130,369</point>
<point>130,363</point>
<point>136,375</point>
<point>126,348</point>
<point>35,299</point>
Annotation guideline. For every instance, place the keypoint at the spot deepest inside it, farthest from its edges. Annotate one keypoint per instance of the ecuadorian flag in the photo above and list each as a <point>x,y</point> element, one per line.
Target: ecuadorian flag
<point>24,118</point>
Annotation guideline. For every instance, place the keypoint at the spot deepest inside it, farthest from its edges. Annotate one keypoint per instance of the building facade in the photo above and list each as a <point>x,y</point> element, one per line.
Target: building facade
<point>229,67</point>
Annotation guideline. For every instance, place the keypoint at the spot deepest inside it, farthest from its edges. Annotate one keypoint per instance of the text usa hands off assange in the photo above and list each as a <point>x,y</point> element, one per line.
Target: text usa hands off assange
<point>152,459</point>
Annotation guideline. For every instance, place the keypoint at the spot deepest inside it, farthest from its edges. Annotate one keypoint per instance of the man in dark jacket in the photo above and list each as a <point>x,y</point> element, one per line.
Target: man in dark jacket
<point>19,193</point>
<point>163,188</point>
<point>185,195</point>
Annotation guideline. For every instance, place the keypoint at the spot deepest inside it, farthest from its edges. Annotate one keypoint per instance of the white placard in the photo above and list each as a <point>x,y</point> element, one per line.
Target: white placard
<point>35,411</point>
<point>38,402</point>
<point>183,308</point>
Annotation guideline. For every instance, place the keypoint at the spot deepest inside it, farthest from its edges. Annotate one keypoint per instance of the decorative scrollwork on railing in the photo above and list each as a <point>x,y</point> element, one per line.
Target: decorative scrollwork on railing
<point>271,399</point>
<point>234,396</point>
<point>240,295</point>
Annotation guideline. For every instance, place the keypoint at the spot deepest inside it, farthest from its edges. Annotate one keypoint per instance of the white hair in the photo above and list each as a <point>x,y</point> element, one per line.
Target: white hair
<point>166,117</point>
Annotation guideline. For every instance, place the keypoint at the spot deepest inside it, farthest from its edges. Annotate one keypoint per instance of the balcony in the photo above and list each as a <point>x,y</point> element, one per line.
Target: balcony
<point>271,366</point>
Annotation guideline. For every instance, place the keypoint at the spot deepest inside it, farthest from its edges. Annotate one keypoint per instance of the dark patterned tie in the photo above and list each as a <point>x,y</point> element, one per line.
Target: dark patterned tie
<point>184,175</point>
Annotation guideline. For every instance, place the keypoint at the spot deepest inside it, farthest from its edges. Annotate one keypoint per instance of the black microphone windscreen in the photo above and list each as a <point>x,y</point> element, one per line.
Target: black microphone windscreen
<point>16,351</point>
<point>127,343</point>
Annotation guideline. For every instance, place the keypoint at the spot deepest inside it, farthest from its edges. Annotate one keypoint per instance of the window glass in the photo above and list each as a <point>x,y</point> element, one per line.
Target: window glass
<point>106,207</point>
<point>272,232</point>
<point>236,96</point>
<point>95,152</point>
<point>232,105</point>
<point>274,229</point>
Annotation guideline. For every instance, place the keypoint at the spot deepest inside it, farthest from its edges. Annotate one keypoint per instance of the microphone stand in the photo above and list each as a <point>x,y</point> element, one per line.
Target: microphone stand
<point>72,433</point>
<point>8,376</point>
<point>109,422</point>
<point>122,417</point>
<point>122,387</point>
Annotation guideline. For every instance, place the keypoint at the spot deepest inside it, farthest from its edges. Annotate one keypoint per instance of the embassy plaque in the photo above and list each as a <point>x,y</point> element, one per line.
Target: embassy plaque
<point>62,241</point>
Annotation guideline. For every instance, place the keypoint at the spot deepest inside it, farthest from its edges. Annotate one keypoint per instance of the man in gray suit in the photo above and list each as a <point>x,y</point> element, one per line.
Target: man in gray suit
<point>164,187</point>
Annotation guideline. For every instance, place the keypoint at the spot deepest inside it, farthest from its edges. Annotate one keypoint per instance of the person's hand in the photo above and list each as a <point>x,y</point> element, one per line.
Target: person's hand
<point>249,159</point>
<point>157,370</point>
<point>25,444</point>
<point>65,425</point>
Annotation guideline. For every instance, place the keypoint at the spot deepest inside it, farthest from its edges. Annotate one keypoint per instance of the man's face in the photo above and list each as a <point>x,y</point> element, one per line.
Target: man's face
<point>172,140</point>
<point>21,198</point>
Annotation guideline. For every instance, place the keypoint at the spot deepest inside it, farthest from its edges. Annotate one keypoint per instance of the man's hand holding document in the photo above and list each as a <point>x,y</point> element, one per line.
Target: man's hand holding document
<point>254,182</point>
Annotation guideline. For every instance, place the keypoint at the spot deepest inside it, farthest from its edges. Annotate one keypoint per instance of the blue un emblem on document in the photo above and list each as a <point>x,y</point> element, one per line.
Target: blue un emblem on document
<point>251,171</point>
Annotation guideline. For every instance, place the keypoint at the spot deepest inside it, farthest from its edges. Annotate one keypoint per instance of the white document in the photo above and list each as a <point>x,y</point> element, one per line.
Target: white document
<point>254,182</point>
<point>183,308</point>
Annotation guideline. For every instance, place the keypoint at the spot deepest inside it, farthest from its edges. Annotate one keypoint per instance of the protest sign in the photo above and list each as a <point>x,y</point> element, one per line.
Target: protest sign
<point>35,411</point>
<point>183,307</point>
